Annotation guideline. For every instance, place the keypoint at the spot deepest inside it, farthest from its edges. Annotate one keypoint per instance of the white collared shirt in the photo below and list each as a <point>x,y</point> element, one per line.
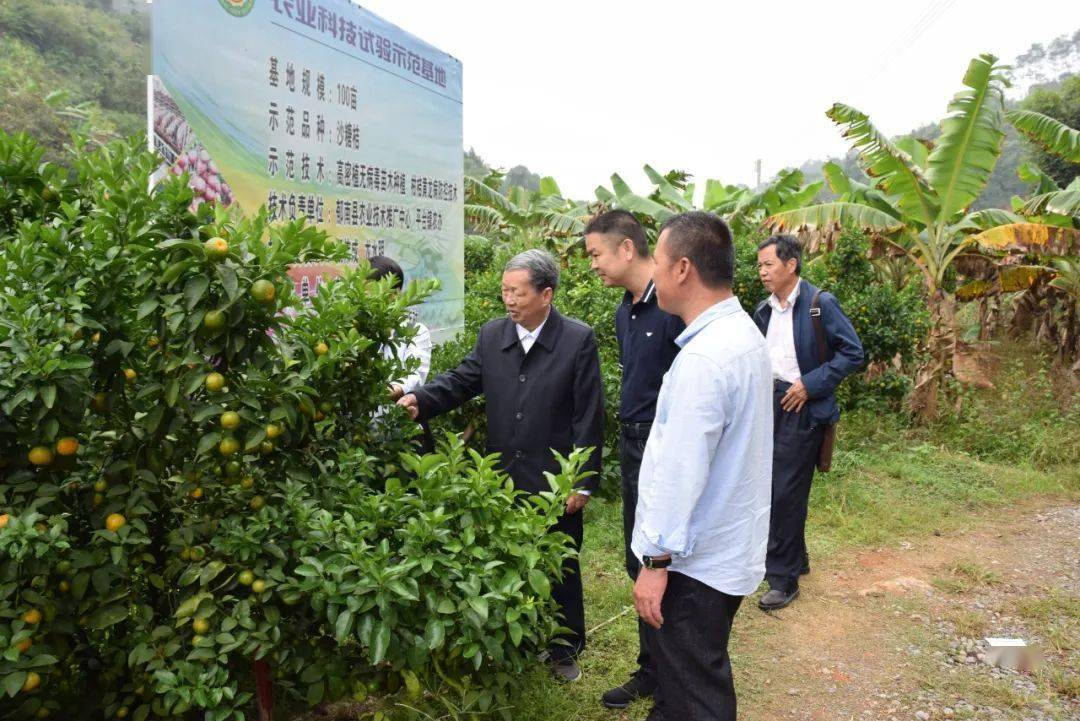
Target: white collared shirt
<point>780,337</point>
<point>705,486</point>
<point>527,337</point>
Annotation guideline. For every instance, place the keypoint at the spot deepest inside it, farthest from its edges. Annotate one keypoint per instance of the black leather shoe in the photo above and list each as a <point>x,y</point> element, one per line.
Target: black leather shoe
<point>566,670</point>
<point>639,686</point>
<point>774,600</point>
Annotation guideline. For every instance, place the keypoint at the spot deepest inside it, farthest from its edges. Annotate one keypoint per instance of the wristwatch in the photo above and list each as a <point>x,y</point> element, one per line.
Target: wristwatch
<point>655,562</point>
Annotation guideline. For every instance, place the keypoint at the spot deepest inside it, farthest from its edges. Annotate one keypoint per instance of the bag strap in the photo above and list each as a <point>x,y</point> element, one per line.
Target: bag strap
<point>819,330</point>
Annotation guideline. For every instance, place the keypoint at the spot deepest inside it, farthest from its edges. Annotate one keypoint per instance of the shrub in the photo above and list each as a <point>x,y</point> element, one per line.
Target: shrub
<point>191,480</point>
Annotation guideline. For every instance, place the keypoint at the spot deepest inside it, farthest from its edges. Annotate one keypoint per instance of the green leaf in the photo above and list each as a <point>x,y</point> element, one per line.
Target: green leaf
<point>1051,135</point>
<point>207,442</point>
<point>13,682</point>
<point>971,136</point>
<point>434,633</point>
<point>380,643</point>
<point>515,633</point>
<point>343,626</point>
<point>147,307</point>
<point>48,395</point>
<point>539,583</point>
<point>108,616</point>
<point>195,289</point>
<point>892,169</point>
<point>228,280</point>
<point>480,605</point>
<point>76,363</point>
<point>172,392</point>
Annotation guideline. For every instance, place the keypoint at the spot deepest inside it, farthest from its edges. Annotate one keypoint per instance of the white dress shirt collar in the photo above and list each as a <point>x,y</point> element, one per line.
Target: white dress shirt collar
<point>528,337</point>
<point>775,302</point>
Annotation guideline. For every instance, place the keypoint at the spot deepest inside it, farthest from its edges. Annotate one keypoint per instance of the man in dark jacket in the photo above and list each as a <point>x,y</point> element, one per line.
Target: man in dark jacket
<point>539,372</point>
<point>804,401</point>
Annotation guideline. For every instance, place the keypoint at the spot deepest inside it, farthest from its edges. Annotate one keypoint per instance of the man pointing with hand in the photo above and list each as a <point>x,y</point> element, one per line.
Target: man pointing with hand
<point>539,373</point>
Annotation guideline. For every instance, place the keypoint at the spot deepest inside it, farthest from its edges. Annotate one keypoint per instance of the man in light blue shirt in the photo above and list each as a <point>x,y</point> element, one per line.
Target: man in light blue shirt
<point>702,519</point>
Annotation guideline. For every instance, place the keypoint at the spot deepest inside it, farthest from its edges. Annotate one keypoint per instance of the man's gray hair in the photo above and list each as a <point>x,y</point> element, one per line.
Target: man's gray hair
<point>542,267</point>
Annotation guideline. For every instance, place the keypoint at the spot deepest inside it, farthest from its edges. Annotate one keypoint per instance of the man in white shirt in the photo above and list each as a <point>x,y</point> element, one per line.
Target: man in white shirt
<point>702,518</point>
<point>812,347</point>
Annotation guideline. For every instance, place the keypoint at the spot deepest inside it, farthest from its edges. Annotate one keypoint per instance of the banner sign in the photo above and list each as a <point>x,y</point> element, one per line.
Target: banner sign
<point>319,108</point>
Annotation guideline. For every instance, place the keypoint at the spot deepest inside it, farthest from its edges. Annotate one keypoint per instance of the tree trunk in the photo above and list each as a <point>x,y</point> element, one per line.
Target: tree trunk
<point>940,348</point>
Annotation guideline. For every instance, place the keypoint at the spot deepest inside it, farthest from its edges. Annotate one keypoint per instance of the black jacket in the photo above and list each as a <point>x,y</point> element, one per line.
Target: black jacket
<point>550,398</point>
<point>843,350</point>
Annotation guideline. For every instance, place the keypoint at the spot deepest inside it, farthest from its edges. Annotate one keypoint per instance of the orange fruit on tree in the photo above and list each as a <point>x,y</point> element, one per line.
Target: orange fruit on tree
<point>247,482</point>
<point>200,626</point>
<point>216,248</point>
<point>122,712</point>
<point>246,578</point>
<point>153,341</point>
<point>257,502</point>
<point>64,586</point>
<point>67,446</point>
<point>96,337</point>
<point>33,680</point>
<point>196,493</point>
<point>5,518</point>
<point>321,348</point>
<point>40,456</point>
<point>24,645</point>
<point>214,320</point>
<point>266,448</point>
<point>263,291</point>
<point>230,419</point>
<point>101,485</point>
<point>115,521</point>
<point>258,586</point>
<point>273,431</point>
<point>214,382</point>
<point>130,375</point>
<point>198,553</point>
<point>98,499</point>
<point>100,403</point>
<point>228,446</point>
<point>32,617</point>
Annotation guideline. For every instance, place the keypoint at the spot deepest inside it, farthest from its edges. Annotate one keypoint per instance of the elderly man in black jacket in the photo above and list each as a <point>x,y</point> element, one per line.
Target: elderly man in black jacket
<point>539,372</point>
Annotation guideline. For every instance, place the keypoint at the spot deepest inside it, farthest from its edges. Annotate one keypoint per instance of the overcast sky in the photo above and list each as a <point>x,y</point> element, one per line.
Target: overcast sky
<point>579,90</point>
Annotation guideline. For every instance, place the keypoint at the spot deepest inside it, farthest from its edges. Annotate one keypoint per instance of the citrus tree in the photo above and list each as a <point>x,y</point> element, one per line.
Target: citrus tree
<point>197,487</point>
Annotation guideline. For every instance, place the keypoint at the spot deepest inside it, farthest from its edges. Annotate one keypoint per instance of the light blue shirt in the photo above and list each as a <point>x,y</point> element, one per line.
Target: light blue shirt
<point>706,475</point>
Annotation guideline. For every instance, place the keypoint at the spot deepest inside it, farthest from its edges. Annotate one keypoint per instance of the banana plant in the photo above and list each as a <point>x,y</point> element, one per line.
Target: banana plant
<point>743,208</point>
<point>920,207</point>
<point>543,215</point>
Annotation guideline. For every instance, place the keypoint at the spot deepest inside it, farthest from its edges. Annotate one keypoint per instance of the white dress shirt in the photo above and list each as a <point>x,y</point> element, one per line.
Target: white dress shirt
<point>528,337</point>
<point>780,338</point>
<point>705,487</point>
<point>419,348</point>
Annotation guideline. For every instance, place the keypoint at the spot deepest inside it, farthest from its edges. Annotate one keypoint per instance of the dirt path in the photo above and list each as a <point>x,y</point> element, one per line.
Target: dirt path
<point>896,633</point>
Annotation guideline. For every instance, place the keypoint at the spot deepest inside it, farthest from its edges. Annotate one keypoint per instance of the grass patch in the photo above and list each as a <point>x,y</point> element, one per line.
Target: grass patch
<point>965,576</point>
<point>1055,617</point>
<point>968,623</point>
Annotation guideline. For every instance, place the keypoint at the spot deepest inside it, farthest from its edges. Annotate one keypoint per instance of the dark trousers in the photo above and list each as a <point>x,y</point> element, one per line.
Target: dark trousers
<point>631,447</point>
<point>568,593</point>
<point>796,444</point>
<point>691,652</point>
